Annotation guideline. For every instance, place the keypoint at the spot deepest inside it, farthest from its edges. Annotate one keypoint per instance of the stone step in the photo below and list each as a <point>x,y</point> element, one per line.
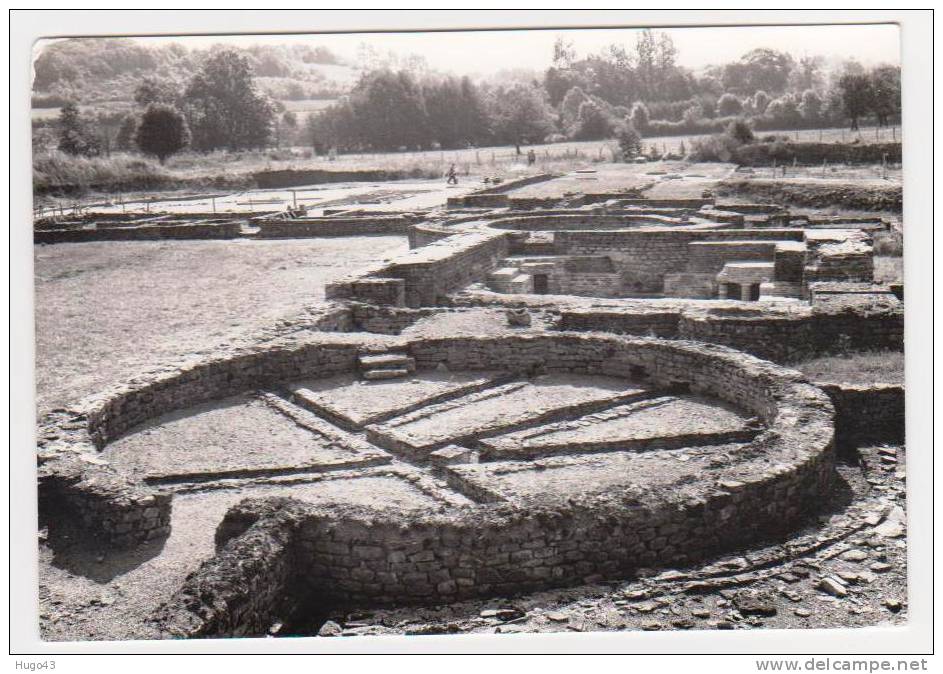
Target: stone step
<point>780,289</point>
<point>373,375</point>
<point>504,274</point>
<point>388,361</point>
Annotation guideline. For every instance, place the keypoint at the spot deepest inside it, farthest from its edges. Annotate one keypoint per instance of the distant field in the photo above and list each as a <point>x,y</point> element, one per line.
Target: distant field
<point>230,169</point>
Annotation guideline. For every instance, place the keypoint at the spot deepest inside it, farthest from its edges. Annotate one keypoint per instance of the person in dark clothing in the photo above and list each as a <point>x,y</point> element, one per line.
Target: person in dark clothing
<point>452,178</point>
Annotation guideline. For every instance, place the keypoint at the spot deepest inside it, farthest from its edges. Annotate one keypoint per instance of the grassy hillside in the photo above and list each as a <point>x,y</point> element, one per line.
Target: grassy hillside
<point>104,72</point>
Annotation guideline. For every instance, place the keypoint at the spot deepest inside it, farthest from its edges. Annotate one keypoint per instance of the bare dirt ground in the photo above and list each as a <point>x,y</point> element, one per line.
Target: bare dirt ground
<point>238,434</point>
<point>87,591</point>
<point>106,310</point>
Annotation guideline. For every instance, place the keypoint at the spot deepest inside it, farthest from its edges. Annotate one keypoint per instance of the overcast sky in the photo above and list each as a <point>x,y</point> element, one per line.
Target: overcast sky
<point>487,52</point>
<point>491,51</point>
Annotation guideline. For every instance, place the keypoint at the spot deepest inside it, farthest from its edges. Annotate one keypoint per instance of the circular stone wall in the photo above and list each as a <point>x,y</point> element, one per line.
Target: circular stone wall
<point>586,469</point>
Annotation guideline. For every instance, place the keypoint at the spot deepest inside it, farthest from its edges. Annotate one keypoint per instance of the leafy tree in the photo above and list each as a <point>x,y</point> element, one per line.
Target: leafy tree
<point>760,100</point>
<point>521,115</point>
<point>154,90</point>
<point>630,141</point>
<point>127,133</point>
<point>857,97</point>
<point>811,106</point>
<point>390,110</point>
<point>740,131</point>
<point>593,123</point>
<point>563,52</point>
<point>570,107</point>
<point>762,68</point>
<point>455,111</point>
<point>885,92</point>
<point>640,117</point>
<point>807,73</point>
<point>729,105</point>
<point>74,136</point>
<point>785,111</point>
<point>224,107</point>
<point>162,132</point>
<point>646,59</point>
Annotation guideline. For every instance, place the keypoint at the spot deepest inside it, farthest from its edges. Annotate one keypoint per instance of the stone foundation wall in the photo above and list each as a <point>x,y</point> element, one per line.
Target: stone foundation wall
<point>799,335</point>
<point>640,323</point>
<point>424,234</point>
<point>867,414</point>
<point>591,222</point>
<point>645,256</point>
<point>353,555</point>
<point>434,270</point>
<point>108,505</point>
<point>495,196</point>
<point>242,590</point>
<point>333,226</point>
<point>198,230</point>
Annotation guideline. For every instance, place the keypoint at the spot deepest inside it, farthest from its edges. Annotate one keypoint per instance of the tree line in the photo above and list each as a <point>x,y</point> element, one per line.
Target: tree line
<point>220,108</point>
<point>598,96</point>
<point>618,93</point>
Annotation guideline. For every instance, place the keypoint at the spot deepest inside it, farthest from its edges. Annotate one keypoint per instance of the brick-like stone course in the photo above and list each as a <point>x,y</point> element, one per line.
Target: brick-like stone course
<point>355,555</point>
<point>195,230</point>
<point>867,414</point>
<point>333,226</point>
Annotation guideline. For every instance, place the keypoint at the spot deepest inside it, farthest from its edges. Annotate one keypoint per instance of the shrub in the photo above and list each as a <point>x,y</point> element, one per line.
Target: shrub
<point>630,142</point>
<point>719,147</point>
<point>740,131</point>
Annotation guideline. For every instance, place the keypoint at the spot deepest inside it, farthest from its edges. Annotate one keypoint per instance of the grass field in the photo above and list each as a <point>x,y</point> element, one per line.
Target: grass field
<point>864,367</point>
<point>228,169</point>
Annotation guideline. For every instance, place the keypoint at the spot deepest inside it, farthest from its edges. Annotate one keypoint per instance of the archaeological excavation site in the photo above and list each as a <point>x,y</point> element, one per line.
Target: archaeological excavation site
<point>569,401</point>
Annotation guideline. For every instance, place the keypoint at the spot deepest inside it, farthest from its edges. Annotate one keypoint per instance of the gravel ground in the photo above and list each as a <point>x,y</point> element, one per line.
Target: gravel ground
<point>89,592</point>
<point>233,435</point>
<point>106,310</point>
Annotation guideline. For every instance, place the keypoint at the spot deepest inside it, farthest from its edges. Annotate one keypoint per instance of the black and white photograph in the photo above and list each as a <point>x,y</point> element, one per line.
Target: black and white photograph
<point>510,331</point>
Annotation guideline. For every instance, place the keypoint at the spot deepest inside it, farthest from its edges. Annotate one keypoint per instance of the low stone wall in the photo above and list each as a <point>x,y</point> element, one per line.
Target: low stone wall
<point>495,196</point>
<point>646,256</point>
<point>434,270</point>
<point>644,323</point>
<point>110,506</point>
<point>812,195</point>
<point>764,154</point>
<point>866,415</point>
<point>547,223</point>
<point>333,226</point>
<point>240,591</point>
<point>197,230</point>
<point>301,177</point>
<point>356,555</point>
<point>799,334</point>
